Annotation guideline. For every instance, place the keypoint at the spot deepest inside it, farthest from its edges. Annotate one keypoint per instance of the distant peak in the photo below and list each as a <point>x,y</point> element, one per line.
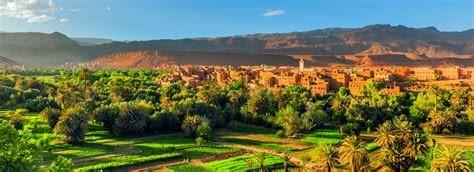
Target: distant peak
<point>431,28</point>
<point>56,33</point>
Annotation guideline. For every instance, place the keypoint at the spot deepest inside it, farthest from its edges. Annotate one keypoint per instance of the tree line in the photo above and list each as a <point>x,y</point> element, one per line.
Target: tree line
<point>131,102</point>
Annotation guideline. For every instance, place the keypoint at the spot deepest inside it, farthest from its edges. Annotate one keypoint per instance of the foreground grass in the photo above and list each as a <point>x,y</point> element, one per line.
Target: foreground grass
<point>258,144</point>
<point>102,151</point>
<point>323,136</point>
<point>128,160</point>
<point>232,164</point>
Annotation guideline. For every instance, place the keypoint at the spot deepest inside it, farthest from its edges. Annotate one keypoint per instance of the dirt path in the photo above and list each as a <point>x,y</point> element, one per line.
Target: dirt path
<point>466,142</point>
<point>460,141</point>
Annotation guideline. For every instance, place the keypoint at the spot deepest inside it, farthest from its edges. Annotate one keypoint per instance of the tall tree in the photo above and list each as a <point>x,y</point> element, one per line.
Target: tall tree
<point>353,154</point>
<point>73,124</point>
<point>19,151</point>
<point>328,157</point>
<point>401,144</point>
<point>449,159</point>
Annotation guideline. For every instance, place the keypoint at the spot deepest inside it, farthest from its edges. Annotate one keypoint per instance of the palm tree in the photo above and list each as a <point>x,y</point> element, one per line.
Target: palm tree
<point>459,100</point>
<point>73,124</point>
<point>261,160</point>
<point>84,74</point>
<point>305,160</point>
<point>353,153</point>
<point>440,120</point>
<point>449,159</point>
<point>327,157</point>
<point>286,161</point>
<point>386,134</point>
<point>249,162</point>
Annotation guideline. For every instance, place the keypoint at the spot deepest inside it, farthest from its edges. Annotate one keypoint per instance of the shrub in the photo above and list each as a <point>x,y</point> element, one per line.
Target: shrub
<point>281,134</point>
<point>17,122</point>
<point>51,115</point>
<point>350,129</point>
<point>200,141</point>
<point>191,124</point>
<point>38,103</point>
<point>204,130</point>
<point>73,124</point>
<point>106,114</point>
<point>18,152</point>
<point>61,164</point>
<point>132,118</point>
<point>466,127</point>
<point>124,118</point>
<point>161,121</point>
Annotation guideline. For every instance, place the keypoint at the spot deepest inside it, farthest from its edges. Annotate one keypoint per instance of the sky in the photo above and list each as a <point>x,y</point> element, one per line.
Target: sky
<point>175,19</point>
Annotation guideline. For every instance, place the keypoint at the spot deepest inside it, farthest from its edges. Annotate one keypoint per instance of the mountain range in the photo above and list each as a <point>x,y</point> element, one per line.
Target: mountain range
<point>5,62</point>
<point>369,45</point>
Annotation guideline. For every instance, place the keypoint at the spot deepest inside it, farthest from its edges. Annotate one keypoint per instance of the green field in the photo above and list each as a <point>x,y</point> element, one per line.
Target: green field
<point>259,144</point>
<point>232,164</point>
<point>104,151</point>
<point>323,136</point>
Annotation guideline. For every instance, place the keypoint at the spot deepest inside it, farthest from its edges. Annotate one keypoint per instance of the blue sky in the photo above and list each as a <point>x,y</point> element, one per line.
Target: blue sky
<point>173,19</point>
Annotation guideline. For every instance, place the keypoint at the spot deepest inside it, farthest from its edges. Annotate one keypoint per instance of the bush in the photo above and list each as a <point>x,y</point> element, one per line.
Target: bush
<point>191,123</point>
<point>51,115</point>
<point>200,141</point>
<point>38,103</point>
<point>281,134</point>
<point>350,129</point>
<point>162,121</point>
<point>466,127</point>
<point>132,118</point>
<point>16,118</point>
<point>73,124</point>
<point>17,122</point>
<point>61,164</point>
<point>124,118</point>
<point>18,151</point>
<point>106,114</point>
<point>204,130</point>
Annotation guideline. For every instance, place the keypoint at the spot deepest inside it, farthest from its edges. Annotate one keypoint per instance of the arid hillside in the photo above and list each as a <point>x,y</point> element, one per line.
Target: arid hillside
<point>333,45</point>
<point>150,59</point>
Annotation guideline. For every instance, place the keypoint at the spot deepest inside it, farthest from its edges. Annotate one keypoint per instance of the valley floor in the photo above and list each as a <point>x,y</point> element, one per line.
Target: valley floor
<point>229,151</point>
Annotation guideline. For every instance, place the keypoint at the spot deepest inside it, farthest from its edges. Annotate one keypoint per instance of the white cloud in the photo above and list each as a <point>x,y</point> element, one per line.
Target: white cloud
<point>108,8</point>
<point>73,9</point>
<point>39,19</point>
<point>272,13</point>
<point>33,11</point>
<point>64,20</point>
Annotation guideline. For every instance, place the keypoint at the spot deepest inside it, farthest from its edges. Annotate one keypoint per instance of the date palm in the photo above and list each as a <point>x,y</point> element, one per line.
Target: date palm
<point>401,143</point>
<point>249,163</point>
<point>327,158</point>
<point>386,134</point>
<point>353,153</point>
<point>440,120</point>
<point>73,124</point>
<point>261,160</point>
<point>286,161</point>
<point>449,159</point>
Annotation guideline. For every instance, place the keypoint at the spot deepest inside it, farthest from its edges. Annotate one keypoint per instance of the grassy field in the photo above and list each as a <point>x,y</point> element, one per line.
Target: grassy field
<point>323,136</point>
<point>258,144</point>
<point>104,151</point>
<point>232,164</point>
